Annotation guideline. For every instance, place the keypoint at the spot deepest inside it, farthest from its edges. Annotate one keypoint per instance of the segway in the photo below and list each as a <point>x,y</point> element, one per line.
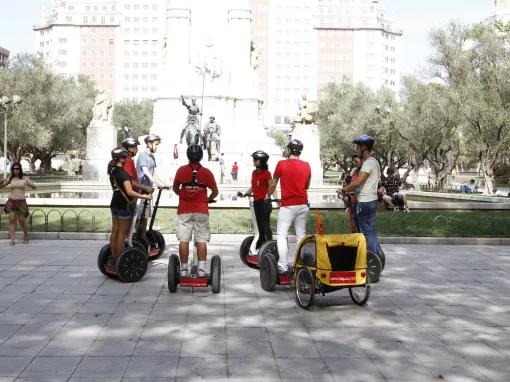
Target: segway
<point>153,241</point>
<point>132,262</point>
<point>248,251</point>
<point>213,278</point>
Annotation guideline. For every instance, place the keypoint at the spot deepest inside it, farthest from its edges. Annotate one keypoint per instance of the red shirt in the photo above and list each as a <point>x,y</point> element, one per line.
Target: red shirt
<point>260,183</point>
<point>294,175</point>
<point>235,169</point>
<point>193,196</point>
<point>130,168</point>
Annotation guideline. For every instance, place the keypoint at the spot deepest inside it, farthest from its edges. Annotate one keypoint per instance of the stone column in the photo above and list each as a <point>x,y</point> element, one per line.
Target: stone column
<point>309,135</point>
<point>101,139</point>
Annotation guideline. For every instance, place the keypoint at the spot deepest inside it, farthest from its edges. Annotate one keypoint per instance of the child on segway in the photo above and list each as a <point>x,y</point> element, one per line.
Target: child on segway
<point>295,176</point>
<point>190,184</point>
<point>122,205</point>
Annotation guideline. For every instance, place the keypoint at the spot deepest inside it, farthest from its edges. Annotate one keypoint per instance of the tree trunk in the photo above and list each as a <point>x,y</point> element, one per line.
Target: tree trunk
<point>46,164</point>
<point>488,174</point>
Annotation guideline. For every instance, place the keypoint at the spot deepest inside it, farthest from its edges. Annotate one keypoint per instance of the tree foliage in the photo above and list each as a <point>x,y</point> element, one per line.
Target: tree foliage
<point>54,112</point>
<point>136,115</point>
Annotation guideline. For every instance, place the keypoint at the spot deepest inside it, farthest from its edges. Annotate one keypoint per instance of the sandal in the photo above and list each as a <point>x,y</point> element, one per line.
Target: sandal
<point>12,243</point>
<point>26,240</point>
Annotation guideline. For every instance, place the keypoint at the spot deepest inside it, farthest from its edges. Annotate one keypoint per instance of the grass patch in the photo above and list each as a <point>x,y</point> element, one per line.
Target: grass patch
<point>417,223</point>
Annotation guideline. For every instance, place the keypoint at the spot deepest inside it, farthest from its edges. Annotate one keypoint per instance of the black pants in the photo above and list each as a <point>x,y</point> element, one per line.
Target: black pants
<point>262,214</point>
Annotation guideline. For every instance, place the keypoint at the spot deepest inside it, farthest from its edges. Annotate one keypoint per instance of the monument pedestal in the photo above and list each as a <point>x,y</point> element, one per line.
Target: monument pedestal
<point>101,139</point>
<point>309,135</point>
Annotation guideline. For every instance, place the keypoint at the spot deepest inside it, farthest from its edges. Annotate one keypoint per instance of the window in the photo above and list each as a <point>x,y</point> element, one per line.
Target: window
<point>127,19</point>
<point>286,120</point>
<point>136,19</point>
<point>127,7</point>
<point>84,65</point>
<point>101,76</point>
<point>126,76</point>
<point>84,53</point>
<point>41,44</point>
<point>136,7</point>
<point>69,19</point>
<point>277,119</point>
<point>71,7</point>
<point>62,52</point>
<point>93,41</point>
<point>85,20</point>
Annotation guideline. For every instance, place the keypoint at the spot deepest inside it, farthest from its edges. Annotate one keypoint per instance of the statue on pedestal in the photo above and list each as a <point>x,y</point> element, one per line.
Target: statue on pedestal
<point>212,134</point>
<point>306,112</point>
<point>192,128</point>
<point>102,110</point>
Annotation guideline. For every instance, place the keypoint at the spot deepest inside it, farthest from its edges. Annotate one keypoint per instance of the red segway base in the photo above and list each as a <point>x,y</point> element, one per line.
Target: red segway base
<point>154,252</point>
<point>253,260</point>
<point>285,280</point>
<point>197,282</point>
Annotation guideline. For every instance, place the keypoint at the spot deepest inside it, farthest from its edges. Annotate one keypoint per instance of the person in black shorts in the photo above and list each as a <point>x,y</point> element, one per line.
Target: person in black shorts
<point>122,205</point>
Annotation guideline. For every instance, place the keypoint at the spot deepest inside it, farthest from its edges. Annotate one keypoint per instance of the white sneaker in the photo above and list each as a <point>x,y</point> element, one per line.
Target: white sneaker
<point>201,273</point>
<point>407,210</point>
<point>184,272</point>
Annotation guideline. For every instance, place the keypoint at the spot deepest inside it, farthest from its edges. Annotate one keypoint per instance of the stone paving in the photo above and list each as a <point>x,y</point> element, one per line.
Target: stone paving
<point>439,313</point>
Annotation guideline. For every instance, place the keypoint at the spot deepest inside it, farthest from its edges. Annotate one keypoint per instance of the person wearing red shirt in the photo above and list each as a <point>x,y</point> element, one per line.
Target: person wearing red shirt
<point>295,176</point>
<point>235,171</point>
<point>260,178</point>
<point>191,183</point>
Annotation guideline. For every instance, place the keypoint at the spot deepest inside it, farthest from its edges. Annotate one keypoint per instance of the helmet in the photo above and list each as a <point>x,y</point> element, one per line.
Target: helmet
<point>365,140</point>
<point>152,138</point>
<point>260,155</point>
<point>295,146</point>
<point>195,153</point>
<point>355,155</point>
<point>130,142</point>
<point>390,170</point>
<point>119,152</point>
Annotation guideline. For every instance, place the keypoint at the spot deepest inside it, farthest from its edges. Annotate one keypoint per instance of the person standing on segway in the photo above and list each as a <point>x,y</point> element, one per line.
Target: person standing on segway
<point>368,180</point>
<point>131,145</point>
<point>145,168</point>
<point>260,179</point>
<point>122,205</point>
<point>295,176</point>
<point>191,183</point>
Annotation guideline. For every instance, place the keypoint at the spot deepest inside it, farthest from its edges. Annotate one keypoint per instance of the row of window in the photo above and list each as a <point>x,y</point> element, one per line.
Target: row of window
<point>144,88</point>
<point>101,76</point>
<point>135,53</point>
<point>137,65</point>
<point>279,119</point>
<point>136,77</point>
<point>94,65</point>
<point>95,8</point>
<point>137,19</point>
<point>94,41</point>
<point>100,53</point>
<point>98,20</point>
<point>143,30</point>
<point>141,42</point>
<point>137,7</point>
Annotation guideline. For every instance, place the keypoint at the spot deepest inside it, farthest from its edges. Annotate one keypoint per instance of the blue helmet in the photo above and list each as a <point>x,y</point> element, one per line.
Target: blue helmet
<point>365,140</point>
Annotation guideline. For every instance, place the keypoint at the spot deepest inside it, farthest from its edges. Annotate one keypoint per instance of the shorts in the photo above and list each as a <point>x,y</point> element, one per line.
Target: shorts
<point>121,214</point>
<point>193,223</point>
<point>19,207</point>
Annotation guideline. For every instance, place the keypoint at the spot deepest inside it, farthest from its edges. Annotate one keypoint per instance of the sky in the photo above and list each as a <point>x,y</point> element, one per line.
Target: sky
<point>416,17</point>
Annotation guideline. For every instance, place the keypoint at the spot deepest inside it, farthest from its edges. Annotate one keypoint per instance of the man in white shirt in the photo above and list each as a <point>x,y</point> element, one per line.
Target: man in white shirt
<point>368,180</point>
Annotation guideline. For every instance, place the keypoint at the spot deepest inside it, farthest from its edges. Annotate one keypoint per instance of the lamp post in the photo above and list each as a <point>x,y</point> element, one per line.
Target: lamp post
<point>4,103</point>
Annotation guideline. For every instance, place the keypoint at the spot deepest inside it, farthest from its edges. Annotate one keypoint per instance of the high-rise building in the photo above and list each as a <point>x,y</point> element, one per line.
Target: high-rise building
<point>502,10</point>
<point>80,37</point>
<point>306,44</point>
<point>140,47</point>
<point>358,42</point>
<point>4,56</point>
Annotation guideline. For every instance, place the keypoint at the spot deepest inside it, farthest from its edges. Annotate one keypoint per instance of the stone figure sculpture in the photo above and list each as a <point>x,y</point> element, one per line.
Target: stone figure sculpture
<point>212,134</point>
<point>102,110</point>
<point>191,129</point>
<point>306,112</point>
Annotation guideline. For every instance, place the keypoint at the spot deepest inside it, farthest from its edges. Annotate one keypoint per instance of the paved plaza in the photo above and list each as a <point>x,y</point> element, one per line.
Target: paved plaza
<point>439,313</point>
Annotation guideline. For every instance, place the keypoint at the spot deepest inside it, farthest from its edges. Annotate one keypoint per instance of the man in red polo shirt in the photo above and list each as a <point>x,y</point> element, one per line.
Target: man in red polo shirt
<point>295,176</point>
<point>191,183</point>
<point>131,145</point>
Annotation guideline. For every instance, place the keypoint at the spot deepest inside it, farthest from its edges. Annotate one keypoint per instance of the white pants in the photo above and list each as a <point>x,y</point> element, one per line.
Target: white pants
<point>286,216</point>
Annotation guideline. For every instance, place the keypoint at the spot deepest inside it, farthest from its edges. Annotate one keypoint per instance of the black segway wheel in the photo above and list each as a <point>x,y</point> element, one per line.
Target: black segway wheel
<point>216,274</point>
<point>173,273</point>
<point>268,272</point>
<point>157,241</point>
<point>132,265</point>
<point>359,295</point>
<point>138,244</point>
<point>382,256</point>
<point>305,288</point>
<point>244,251</point>
<point>374,267</point>
<point>269,248</point>
<point>142,241</point>
<point>102,259</point>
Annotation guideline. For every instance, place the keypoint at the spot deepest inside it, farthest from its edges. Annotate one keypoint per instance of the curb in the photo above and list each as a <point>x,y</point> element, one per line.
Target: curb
<point>236,238</point>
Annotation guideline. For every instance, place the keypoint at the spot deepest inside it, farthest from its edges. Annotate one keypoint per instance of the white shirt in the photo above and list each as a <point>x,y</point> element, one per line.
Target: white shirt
<point>369,189</point>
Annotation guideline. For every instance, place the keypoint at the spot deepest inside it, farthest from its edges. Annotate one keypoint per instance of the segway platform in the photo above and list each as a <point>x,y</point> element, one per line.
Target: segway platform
<point>213,278</point>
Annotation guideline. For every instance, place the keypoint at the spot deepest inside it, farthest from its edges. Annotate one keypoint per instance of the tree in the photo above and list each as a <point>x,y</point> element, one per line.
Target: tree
<point>136,115</point>
<point>53,115</point>
<point>473,62</point>
<point>432,130</point>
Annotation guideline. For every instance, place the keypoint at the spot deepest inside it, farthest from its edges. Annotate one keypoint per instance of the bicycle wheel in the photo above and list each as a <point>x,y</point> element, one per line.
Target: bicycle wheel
<point>305,288</point>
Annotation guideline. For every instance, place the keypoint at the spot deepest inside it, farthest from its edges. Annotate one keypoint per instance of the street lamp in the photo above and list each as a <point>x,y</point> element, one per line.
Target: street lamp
<point>4,103</point>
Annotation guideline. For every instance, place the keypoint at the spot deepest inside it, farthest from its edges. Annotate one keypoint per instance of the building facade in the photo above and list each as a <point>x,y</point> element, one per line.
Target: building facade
<point>502,10</point>
<point>79,37</point>
<point>4,56</point>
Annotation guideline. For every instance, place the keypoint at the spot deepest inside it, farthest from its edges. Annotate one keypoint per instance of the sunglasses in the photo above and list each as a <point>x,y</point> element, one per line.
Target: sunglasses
<point>16,169</point>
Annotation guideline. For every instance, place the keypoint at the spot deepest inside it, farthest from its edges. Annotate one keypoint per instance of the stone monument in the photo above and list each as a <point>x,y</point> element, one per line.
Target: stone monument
<point>101,139</point>
<point>209,56</point>
<point>305,129</point>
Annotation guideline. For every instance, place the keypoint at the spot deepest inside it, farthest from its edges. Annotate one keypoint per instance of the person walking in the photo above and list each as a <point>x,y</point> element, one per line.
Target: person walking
<point>235,171</point>
<point>16,206</point>
<point>295,176</point>
<point>368,180</point>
